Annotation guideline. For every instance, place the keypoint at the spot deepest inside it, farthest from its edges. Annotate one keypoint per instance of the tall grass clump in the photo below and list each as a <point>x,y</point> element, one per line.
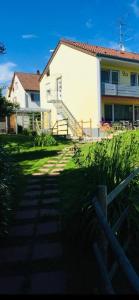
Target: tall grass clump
<point>108,163</point>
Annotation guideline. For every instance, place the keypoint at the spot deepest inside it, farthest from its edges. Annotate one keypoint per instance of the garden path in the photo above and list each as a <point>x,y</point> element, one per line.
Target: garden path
<point>31,257</point>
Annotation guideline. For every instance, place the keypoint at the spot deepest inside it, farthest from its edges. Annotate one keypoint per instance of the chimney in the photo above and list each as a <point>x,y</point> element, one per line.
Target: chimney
<point>38,72</point>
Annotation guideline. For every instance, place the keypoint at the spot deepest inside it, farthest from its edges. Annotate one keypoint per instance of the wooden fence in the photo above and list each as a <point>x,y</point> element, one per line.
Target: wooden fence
<point>108,235</point>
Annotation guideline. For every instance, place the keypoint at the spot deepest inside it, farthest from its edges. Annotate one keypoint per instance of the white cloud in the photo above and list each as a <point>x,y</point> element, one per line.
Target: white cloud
<point>29,36</point>
<point>89,23</point>
<point>135,7</point>
<point>6,71</point>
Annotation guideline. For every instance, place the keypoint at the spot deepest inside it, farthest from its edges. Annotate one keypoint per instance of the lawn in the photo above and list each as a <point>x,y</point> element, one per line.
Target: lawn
<point>28,157</point>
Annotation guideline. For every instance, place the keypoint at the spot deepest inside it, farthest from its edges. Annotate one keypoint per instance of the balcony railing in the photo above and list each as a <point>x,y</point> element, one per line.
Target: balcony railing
<point>119,90</point>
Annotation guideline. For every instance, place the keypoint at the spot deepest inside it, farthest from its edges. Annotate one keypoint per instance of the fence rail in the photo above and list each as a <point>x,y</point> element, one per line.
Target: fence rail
<point>107,234</point>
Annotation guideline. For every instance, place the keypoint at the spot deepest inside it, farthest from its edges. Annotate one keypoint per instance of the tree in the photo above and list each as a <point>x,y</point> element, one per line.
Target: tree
<point>2,49</point>
<point>6,107</point>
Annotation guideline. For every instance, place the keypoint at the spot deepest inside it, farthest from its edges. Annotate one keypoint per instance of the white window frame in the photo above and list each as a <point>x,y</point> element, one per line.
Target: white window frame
<point>111,71</point>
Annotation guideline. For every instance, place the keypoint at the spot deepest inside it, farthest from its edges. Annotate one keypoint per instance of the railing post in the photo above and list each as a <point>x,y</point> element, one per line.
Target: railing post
<point>102,198</point>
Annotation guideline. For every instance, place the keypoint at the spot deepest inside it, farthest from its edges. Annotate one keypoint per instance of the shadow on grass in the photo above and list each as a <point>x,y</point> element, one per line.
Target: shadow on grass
<point>33,155</point>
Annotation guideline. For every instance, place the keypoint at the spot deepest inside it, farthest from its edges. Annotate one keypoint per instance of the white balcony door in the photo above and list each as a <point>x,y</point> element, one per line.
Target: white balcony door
<point>59,89</point>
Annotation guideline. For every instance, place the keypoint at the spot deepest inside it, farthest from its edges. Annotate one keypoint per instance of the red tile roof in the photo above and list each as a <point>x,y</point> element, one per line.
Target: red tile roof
<point>30,82</point>
<point>91,49</point>
<point>95,51</point>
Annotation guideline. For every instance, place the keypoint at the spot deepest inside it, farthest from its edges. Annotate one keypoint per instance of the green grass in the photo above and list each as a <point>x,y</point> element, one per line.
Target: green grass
<point>28,157</point>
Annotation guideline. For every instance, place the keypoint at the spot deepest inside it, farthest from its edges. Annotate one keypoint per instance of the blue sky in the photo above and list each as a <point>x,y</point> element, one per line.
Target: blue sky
<point>30,29</point>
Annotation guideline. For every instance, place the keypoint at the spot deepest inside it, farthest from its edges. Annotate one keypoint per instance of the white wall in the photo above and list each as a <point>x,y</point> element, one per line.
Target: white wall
<point>19,95</point>
<point>81,83</point>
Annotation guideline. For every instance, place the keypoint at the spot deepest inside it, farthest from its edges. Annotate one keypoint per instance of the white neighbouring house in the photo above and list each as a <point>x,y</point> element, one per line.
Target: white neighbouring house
<point>25,90</point>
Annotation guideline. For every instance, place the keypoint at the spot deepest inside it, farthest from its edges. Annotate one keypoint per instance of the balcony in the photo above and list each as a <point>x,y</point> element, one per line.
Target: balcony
<point>119,90</point>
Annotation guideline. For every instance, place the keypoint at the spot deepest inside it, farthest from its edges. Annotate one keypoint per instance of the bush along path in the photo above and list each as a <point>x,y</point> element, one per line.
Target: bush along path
<point>31,257</point>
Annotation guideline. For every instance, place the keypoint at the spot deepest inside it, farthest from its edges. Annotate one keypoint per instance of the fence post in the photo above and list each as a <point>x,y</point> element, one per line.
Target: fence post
<point>6,123</point>
<point>102,198</point>
<point>91,127</point>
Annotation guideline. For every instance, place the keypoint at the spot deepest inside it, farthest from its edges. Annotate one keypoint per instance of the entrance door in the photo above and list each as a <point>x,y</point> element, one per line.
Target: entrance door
<point>136,113</point>
<point>59,88</point>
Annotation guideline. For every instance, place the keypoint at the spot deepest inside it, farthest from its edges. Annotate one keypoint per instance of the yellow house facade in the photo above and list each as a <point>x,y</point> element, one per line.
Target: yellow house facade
<point>84,82</point>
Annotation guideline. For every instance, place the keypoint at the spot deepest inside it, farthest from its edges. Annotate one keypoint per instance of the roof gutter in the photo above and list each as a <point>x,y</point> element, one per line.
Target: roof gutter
<point>117,58</point>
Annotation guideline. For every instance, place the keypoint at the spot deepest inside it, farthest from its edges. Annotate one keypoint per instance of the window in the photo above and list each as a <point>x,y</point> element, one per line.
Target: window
<point>35,97</point>
<point>123,112</point>
<point>134,79</point>
<point>110,76</point>
<point>108,113</point>
<point>115,77</point>
<point>48,73</point>
<point>105,76</point>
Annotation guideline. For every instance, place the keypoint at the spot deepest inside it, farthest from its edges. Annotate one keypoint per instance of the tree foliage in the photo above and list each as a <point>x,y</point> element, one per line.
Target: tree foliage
<point>2,49</point>
<point>6,107</point>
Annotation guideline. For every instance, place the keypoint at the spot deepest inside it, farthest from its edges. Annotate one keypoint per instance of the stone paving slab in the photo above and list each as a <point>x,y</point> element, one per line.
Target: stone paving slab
<point>47,228</point>
<point>54,191</point>
<point>51,185</point>
<point>48,283</point>
<point>33,181</point>
<point>52,161</point>
<point>60,165</point>
<point>26,203</point>
<point>51,165</point>
<point>14,254</point>
<point>26,214</point>
<point>51,200</point>
<point>22,230</point>
<point>44,170</point>
<point>58,169</point>
<point>34,187</point>
<point>32,194</point>
<point>55,174</point>
<point>50,212</point>
<point>11,285</point>
<point>37,174</point>
<point>47,250</point>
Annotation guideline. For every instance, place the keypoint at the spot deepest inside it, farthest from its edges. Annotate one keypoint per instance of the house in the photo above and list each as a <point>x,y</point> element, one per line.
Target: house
<point>25,90</point>
<point>86,82</point>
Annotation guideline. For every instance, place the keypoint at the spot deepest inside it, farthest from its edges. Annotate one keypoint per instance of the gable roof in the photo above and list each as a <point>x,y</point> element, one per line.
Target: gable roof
<point>94,51</point>
<point>30,82</point>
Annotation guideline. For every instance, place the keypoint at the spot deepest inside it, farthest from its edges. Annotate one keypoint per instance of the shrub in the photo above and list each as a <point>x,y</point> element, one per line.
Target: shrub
<point>44,140</point>
<point>7,185</point>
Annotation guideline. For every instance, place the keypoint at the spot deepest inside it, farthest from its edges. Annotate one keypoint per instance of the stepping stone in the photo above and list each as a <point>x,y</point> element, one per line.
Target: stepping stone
<point>14,254</point>
<point>48,283</point>
<point>44,170</point>
<point>60,165</point>
<point>22,230</point>
<point>26,214</point>
<point>51,201</point>
<point>49,212</point>
<point>33,194</point>
<point>47,228</point>
<point>47,192</point>
<point>50,165</point>
<point>37,174</point>
<point>52,161</point>
<point>11,285</point>
<point>26,203</point>
<point>51,185</point>
<point>55,174</point>
<point>34,187</point>
<point>33,181</point>
<point>47,250</point>
<point>58,169</point>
